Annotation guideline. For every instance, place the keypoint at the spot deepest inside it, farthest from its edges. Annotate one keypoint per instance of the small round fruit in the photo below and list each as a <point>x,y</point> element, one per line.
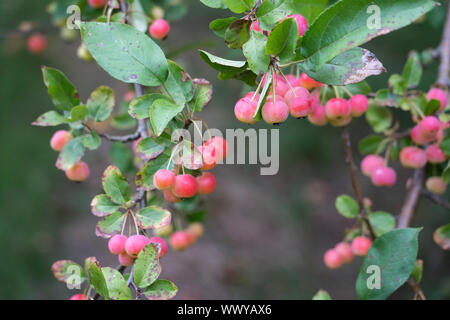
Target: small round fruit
<point>430,126</point>
<point>302,24</point>
<point>220,145</point>
<point>318,116</point>
<point>300,107</point>
<point>435,154</point>
<point>255,26</point>
<point>359,105</point>
<point>164,179</point>
<point>244,110</point>
<point>59,139</point>
<point>162,243</point>
<point>293,80</point>
<point>345,251</point>
<point>280,88</point>
<point>332,259</point>
<point>436,185</point>
<point>97,3</point>
<point>209,157</point>
<point>79,296</point>
<point>79,172</point>
<point>125,259</point>
<point>337,108</point>
<point>418,137</point>
<point>170,197</point>
<point>135,244</point>
<point>361,245</point>
<point>37,43</point>
<point>157,12</point>
<point>116,244</point>
<point>308,82</point>
<point>128,96</point>
<point>383,177</point>
<point>440,95</point>
<point>185,186</point>
<point>159,29</point>
<point>84,54</point>
<point>206,183</point>
<point>370,163</point>
<point>195,229</point>
<point>296,92</point>
<point>275,112</point>
<point>413,157</point>
<point>180,240</point>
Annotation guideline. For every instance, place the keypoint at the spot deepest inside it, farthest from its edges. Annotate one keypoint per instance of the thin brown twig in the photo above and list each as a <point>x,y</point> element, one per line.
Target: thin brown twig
<point>444,66</point>
<point>436,199</point>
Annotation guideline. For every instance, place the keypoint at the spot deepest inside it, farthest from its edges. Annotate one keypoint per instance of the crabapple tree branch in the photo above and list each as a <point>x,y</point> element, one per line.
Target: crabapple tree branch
<point>436,199</point>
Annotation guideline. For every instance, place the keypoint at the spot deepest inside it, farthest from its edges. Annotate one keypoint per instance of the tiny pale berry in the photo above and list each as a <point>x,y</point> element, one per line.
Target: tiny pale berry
<point>195,229</point>
<point>436,185</point>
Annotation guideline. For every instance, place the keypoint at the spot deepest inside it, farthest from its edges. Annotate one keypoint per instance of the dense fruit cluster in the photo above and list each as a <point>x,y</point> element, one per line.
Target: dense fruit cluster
<point>344,252</point>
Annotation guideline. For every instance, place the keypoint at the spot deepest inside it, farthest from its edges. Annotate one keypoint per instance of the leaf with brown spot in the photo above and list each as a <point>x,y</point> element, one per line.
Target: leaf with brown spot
<point>442,237</point>
<point>64,269</point>
<point>153,217</point>
<point>116,284</point>
<point>161,290</point>
<point>147,267</point>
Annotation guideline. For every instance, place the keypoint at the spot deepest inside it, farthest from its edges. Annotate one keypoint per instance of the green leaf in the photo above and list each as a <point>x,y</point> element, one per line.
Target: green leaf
<point>91,140</point>
<point>238,6</point>
<point>122,157</point>
<point>397,84</point>
<point>72,152</point>
<point>347,206</point>
<point>153,217</point>
<point>219,26</point>
<point>161,112</point>
<point>223,65</point>
<point>309,9</point>
<point>96,277</point>
<point>178,85</point>
<point>412,73</point>
<point>148,149</point>
<point>78,113</point>
<point>384,97</point>
<point>110,225</point>
<point>442,237</point>
<point>117,286</point>
<point>102,206</point>
<point>417,272</point>
<point>349,67</point>
<point>116,186</point>
<point>101,103</point>
<point>346,25</point>
<point>144,178</point>
<point>255,52</point>
<point>379,118</point>
<point>61,90</point>
<point>203,92</point>
<point>140,107</point>
<point>445,145</point>
<point>263,96</point>
<point>432,107</point>
<point>161,290</point>
<point>213,4</point>
<point>49,119</point>
<point>446,173</point>
<point>68,272</point>
<point>283,39</point>
<point>394,253</point>
<point>371,144</point>
<point>237,33</point>
<point>147,267</point>
<point>125,53</point>
<point>123,122</point>
<point>137,16</point>
<point>270,12</point>
<point>322,295</point>
<point>247,76</point>
<point>381,222</point>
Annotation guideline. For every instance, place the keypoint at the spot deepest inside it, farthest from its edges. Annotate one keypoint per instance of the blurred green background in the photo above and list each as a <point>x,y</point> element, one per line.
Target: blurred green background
<point>264,235</point>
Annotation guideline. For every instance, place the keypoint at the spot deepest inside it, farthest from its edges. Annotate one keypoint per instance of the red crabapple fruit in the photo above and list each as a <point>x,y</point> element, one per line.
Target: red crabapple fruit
<point>195,229</point>
<point>345,251</point>
<point>125,259</point>
<point>275,112</point>
<point>159,29</point>
<point>280,88</point>
<point>302,24</point>
<point>418,137</point>
<point>79,296</point>
<point>135,244</point>
<point>116,244</point>
<point>206,183</point>
<point>97,3</point>
<point>60,139</point>
<point>438,94</point>
<point>79,172</point>
<point>37,43</point>
<point>300,107</point>
<point>185,186</point>
<point>244,110</point>
<point>298,92</point>
<point>436,185</point>
<point>170,197</point>
<point>163,179</point>
<point>337,108</point>
<point>220,145</point>
<point>435,154</point>
<point>370,163</point>
<point>162,243</point>
<point>209,157</point>
<point>180,240</point>
<point>359,104</point>
<point>309,83</point>
<point>128,96</point>
<point>332,259</point>
<point>361,245</point>
<point>318,116</point>
<point>413,157</point>
<point>383,177</point>
<point>430,126</point>
<point>293,80</point>
<point>255,26</point>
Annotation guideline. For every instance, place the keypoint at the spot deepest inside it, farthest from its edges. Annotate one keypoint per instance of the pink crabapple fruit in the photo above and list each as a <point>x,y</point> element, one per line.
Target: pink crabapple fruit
<point>275,112</point>
<point>128,96</point>
<point>429,126</point>
<point>97,3</point>
<point>332,259</point>
<point>361,245</point>
<point>337,108</point>
<point>162,243</point>
<point>59,139</point>
<point>436,185</point>
<point>439,95</point>
<point>170,197</point>
<point>79,296</point>
<point>164,179</point>
<point>159,29</point>
<point>340,122</point>
<point>220,145</point>
<point>318,116</point>
<point>435,154</point>
<point>135,244</point>
<point>37,43</point>
<point>293,80</point>
<point>180,240</point>
<point>116,244</point>
<point>370,163</point>
<point>195,229</point>
<point>125,259</point>
<point>383,177</point>
<point>413,157</point>
<point>79,172</point>
<point>206,183</point>
<point>358,104</point>
<point>344,249</point>
<point>296,92</point>
<point>209,157</point>
<point>302,24</point>
<point>418,137</point>
<point>244,110</point>
<point>308,82</point>
<point>185,186</point>
<point>300,107</point>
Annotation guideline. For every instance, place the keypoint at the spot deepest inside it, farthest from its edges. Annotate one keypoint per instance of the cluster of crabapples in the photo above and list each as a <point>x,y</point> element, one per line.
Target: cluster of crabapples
<point>80,170</point>
<point>291,95</point>
<point>344,252</point>
<point>426,136</point>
